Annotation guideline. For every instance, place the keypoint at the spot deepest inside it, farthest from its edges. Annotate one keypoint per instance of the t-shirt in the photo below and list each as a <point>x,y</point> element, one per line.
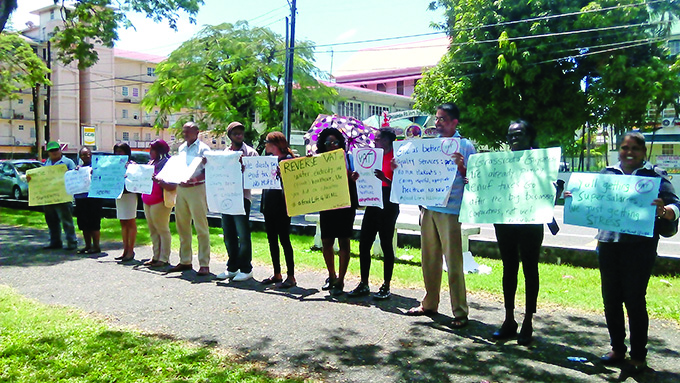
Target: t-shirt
<point>387,166</point>
<point>156,195</point>
<point>70,165</point>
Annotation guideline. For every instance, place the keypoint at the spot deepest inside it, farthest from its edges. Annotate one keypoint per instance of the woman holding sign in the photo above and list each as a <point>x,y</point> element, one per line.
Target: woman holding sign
<point>126,212</point>
<point>156,211</point>
<point>337,223</point>
<point>276,219</point>
<point>88,211</point>
<point>626,260</point>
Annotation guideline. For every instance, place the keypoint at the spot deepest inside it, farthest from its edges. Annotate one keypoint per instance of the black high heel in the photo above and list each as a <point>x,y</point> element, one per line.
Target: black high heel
<point>507,331</point>
<point>526,334</point>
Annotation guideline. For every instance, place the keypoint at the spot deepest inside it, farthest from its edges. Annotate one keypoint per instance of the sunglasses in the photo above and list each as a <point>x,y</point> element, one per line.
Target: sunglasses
<point>329,143</point>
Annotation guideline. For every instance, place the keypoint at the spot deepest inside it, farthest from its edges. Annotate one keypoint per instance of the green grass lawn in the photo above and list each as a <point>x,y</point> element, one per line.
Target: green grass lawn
<point>39,343</point>
<point>561,285</point>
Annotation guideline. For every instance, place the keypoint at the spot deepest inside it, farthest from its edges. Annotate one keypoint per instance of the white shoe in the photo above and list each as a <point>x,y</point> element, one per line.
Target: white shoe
<point>227,275</point>
<point>240,277</point>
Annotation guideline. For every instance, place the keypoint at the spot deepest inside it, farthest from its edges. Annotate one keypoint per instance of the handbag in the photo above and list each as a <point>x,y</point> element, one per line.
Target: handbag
<point>169,197</point>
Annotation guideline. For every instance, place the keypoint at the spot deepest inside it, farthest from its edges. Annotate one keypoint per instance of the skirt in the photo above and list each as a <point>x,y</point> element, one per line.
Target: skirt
<point>126,206</point>
<point>337,223</point>
<point>88,212</point>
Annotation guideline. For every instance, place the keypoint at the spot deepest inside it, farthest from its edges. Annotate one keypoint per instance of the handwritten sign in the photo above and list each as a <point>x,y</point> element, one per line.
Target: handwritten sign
<point>77,181</point>
<point>425,171</point>
<point>511,187</point>
<point>224,183</point>
<point>261,172</point>
<point>177,170</point>
<point>315,183</point>
<point>138,178</point>
<point>108,176</point>
<point>610,202</point>
<point>369,187</point>
<point>47,186</point>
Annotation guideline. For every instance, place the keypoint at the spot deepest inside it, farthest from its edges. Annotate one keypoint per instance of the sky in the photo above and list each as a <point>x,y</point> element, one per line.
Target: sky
<point>324,22</point>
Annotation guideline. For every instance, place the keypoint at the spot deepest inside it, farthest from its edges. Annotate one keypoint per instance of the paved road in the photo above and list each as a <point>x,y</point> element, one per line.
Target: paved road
<point>304,332</point>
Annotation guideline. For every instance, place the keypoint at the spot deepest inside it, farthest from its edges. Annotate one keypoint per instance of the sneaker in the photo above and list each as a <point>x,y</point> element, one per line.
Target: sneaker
<point>72,246</point>
<point>52,247</point>
<point>327,285</point>
<point>360,291</point>
<point>227,275</point>
<point>337,289</point>
<point>383,293</point>
<point>240,277</point>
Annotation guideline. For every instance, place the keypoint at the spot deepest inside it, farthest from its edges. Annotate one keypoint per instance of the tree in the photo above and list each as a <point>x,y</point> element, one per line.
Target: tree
<point>533,59</point>
<point>20,67</point>
<point>228,73</point>
<point>90,22</point>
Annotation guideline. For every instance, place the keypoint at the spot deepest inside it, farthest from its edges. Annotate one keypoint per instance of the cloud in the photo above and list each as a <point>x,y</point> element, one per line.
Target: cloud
<point>346,35</point>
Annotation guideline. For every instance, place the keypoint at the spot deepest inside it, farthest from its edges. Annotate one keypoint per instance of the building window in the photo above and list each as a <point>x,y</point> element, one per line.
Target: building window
<point>32,132</point>
<point>151,72</point>
<point>126,136</point>
<point>674,46</point>
<point>349,108</point>
<point>125,91</point>
<point>21,127</point>
<point>52,14</point>
<point>400,87</point>
<point>146,91</point>
<point>147,136</point>
<point>125,113</point>
<point>667,150</point>
<point>381,87</point>
<point>135,92</point>
<point>136,136</point>
<point>21,101</point>
<point>377,110</point>
<point>32,107</point>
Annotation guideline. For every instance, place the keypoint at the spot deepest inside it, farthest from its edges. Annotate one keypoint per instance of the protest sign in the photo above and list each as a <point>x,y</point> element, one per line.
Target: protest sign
<point>224,183</point>
<point>369,187</point>
<point>315,183</point>
<point>138,178</point>
<point>77,181</point>
<point>610,202</point>
<point>425,171</point>
<point>261,172</point>
<point>47,186</point>
<point>511,187</point>
<point>177,170</point>
<point>108,176</point>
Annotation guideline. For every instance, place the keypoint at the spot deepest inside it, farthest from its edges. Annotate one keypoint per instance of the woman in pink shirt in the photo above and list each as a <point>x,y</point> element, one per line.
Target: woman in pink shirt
<point>156,210</point>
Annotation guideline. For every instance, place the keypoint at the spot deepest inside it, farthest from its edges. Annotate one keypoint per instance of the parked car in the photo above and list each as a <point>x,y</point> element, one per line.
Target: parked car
<point>13,177</point>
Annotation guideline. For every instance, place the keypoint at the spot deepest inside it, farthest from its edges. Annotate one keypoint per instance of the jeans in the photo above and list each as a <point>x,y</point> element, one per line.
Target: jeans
<point>236,230</point>
<point>517,242</point>
<point>56,216</point>
<point>278,229</point>
<point>378,222</point>
<point>625,269</point>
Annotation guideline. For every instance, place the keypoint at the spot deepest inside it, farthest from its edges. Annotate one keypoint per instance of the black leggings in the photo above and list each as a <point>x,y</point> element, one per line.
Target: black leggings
<point>278,229</point>
<point>381,222</point>
<point>515,241</point>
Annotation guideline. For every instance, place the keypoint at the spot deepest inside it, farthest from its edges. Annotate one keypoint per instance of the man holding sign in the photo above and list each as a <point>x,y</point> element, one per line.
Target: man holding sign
<point>441,231</point>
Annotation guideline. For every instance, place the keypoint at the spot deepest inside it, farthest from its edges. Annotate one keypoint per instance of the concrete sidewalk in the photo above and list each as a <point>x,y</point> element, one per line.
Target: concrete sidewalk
<point>306,333</point>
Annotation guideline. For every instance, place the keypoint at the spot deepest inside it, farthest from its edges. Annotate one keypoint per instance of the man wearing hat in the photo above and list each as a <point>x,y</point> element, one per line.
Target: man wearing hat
<point>59,214</point>
<point>236,228</point>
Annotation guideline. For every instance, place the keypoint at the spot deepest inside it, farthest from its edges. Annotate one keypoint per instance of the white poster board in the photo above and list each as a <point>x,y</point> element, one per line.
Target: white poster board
<point>224,183</point>
<point>176,170</point>
<point>369,187</point>
<point>78,181</point>
<point>138,178</point>
<point>261,172</point>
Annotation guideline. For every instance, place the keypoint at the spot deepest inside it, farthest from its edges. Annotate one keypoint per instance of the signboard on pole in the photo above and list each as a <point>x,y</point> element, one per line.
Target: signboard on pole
<point>89,138</point>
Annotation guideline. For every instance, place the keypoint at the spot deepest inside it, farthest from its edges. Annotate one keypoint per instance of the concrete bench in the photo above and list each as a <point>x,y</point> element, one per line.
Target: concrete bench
<point>466,232</point>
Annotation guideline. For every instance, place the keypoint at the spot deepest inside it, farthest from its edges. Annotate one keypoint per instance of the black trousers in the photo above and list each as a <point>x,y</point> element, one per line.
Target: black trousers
<point>277,225</point>
<point>517,242</point>
<point>625,269</point>
<point>378,222</point>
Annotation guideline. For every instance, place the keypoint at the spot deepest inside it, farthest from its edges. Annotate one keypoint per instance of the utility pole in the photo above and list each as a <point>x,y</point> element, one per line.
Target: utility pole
<point>288,86</point>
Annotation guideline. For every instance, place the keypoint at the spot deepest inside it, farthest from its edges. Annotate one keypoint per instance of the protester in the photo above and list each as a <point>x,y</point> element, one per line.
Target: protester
<point>59,214</point>
<point>156,211</point>
<point>88,211</point>
<point>236,228</point>
<point>276,219</point>
<point>191,205</point>
<point>379,221</point>
<point>441,231</point>
<point>126,210</point>
<point>337,223</point>
<point>515,242</point>
<point>626,260</point>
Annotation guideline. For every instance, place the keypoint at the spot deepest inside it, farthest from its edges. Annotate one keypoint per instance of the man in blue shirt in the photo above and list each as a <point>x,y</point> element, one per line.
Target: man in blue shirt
<point>60,214</point>
<point>440,231</point>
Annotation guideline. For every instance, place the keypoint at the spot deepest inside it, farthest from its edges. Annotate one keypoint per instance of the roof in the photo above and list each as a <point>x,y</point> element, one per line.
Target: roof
<point>393,60</point>
<point>137,56</point>
<point>364,90</point>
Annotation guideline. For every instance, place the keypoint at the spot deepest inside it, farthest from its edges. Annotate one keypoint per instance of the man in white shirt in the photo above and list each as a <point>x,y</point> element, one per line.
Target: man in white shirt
<point>191,204</point>
<point>236,228</point>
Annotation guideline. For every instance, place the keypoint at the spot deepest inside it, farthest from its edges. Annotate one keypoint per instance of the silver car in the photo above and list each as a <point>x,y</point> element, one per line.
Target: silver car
<point>13,177</point>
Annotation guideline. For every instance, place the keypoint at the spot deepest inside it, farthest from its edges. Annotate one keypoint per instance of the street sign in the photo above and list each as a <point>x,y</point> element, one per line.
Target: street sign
<point>89,138</point>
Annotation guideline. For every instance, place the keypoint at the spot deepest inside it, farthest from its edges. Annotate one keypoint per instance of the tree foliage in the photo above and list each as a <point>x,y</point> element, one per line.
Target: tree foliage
<point>231,71</point>
<point>20,67</point>
<point>91,22</point>
<point>513,59</point>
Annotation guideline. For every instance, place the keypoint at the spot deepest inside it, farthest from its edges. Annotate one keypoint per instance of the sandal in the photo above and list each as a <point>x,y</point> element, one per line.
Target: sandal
<point>288,283</point>
<point>150,262</point>
<point>459,322</point>
<point>128,258</point>
<point>156,264</point>
<point>94,251</point>
<point>420,311</point>
<point>83,251</point>
<point>271,280</point>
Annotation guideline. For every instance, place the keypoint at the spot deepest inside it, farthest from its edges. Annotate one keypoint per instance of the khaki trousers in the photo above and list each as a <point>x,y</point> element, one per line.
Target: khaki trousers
<point>191,205</point>
<point>158,219</point>
<point>440,234</point>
